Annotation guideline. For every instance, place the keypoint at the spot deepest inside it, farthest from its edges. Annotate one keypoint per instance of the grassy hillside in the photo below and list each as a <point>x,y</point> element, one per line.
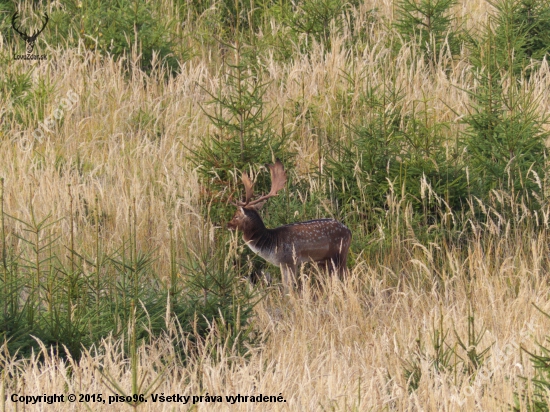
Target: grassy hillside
<point>422,126</point>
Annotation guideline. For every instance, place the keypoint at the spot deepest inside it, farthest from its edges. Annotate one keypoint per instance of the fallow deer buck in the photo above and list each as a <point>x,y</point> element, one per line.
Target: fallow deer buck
<point>324,241</point>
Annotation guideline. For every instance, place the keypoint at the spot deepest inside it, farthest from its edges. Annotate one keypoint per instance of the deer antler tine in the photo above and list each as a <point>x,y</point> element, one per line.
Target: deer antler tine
<point>278,177</point>
<point>43,27</point>
<point>278,181</point>
<point>13,19</point>
<point>248,187</point>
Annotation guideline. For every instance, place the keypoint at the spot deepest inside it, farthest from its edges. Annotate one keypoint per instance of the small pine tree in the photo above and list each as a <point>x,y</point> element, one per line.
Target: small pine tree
<point>505,135</point>
<point>243,136</point>
<point>427,23</point>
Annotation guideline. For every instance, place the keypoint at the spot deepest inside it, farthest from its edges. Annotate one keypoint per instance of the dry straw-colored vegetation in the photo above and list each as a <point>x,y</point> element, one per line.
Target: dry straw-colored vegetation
<point>445,300</point>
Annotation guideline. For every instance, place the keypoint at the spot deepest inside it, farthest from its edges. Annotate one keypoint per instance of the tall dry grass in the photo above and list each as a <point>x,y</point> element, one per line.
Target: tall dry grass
<point>345,348</point>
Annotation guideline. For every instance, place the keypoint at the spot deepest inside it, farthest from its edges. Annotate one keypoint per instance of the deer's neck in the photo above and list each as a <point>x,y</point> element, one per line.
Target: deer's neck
<point>255,233</point>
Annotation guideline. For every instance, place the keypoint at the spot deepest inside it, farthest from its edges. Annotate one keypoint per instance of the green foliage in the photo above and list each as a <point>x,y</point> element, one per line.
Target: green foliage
<point>428,24</point>
<point>505,136</point>
<point>144,121</point>
<point>412,368</point>
<point>17,88</point>
<point>406,150</point>
<point>428,166</point>
<point>72,303</point>
<point>360,166</point>
<point>216,299</point>
<point>395,151</point>
<point>235,16</point>
<point>67,306</point>
<point>536,394</point>
<point>314,18</point>
<point>115,29</point>
<point>443,356</point>
<point>533,18</point>
<point>475,357</point>
<point>522,33</point>
<point>244,135</point>
<point>439,356</point>
<point>506,143</point>
<point>7,8</point>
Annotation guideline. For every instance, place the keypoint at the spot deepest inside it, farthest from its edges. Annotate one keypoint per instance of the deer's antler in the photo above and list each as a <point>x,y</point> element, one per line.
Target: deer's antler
<point>13,18</point>
<point>248,188</point>
<point>25,36</point>
<point>278,180</point>
<point>43,27</point>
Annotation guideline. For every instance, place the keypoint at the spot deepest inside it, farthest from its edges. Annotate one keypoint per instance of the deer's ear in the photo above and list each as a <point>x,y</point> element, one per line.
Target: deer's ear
<point>258,206</point>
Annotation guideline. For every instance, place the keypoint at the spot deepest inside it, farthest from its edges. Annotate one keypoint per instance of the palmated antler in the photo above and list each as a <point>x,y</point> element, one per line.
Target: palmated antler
<point>278,180</point>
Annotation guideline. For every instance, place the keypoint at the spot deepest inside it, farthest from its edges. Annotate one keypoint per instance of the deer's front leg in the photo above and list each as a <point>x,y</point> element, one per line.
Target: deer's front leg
<point>288,276</point>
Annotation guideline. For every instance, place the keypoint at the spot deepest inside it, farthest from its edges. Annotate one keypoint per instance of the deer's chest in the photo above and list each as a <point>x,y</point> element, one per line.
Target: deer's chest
<point>288,253</point>
<point>270,255</point>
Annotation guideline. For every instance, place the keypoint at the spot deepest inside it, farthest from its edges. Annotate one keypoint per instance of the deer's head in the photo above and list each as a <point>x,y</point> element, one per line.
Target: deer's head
<point>246,217</point>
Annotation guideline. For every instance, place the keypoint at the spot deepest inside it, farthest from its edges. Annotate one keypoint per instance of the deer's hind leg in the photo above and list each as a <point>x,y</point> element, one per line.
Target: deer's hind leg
<point>337,265</point>
<point>341,262</point>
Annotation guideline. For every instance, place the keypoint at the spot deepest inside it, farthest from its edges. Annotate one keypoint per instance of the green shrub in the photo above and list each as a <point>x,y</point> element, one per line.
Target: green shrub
<point>521,34</point>
<point>115,28</point>
<point>72,302</point>
<point>535,394</point>
<point>315,19</point>
<point>216,298</point>
<point>428,24</point>
<point>505,135</point>
<point>394,151</point>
